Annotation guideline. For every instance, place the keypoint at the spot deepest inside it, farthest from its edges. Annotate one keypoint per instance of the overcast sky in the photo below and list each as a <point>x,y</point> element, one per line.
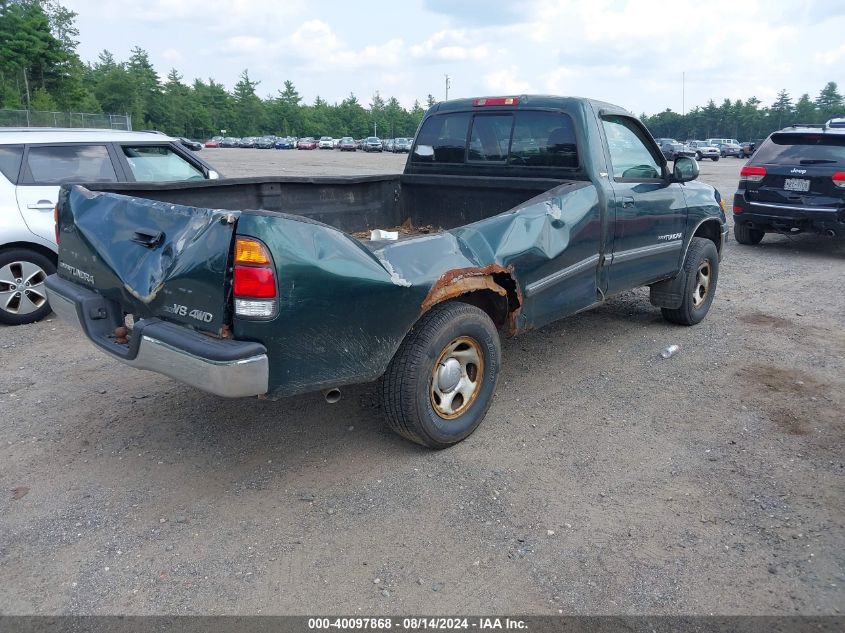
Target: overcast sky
<point>628,52</point>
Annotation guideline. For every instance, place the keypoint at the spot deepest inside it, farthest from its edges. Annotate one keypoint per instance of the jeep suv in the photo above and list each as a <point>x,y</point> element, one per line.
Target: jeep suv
<point>34,162</point>
<point>794,181</point>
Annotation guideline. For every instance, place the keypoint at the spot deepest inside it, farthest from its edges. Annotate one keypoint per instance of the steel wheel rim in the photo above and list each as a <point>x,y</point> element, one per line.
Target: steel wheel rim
<point>456,377</point>
<point>702,283</point>
<point>22,287</point>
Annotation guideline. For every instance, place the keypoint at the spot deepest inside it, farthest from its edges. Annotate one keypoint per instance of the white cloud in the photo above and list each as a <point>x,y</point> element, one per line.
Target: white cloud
<point>451,45</point>
<point>630,52</point>
<point>831,56</point>
<point>506,80</point>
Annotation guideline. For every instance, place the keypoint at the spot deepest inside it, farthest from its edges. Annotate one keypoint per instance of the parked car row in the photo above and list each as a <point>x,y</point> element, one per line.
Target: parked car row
<point>712,148</point>
<point>347,143</point>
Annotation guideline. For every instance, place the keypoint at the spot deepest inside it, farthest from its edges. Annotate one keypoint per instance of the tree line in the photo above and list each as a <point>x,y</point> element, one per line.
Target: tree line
<point>749,119</point>
<point>40,69</point>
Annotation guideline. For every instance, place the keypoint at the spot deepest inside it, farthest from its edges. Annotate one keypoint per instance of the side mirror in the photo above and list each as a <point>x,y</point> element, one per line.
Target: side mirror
<point>685,169</point>
<point>213,175</point>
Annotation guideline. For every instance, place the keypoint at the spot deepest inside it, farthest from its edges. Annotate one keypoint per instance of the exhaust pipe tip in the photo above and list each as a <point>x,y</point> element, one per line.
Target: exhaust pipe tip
<point>830,233</point>
<point>332,396</point>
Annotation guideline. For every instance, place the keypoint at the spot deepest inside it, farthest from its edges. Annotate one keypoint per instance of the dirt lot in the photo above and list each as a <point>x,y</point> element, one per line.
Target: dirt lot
<point>604,479</point>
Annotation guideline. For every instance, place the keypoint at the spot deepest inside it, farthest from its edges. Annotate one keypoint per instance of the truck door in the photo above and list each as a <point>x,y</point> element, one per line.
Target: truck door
<point>650,210</point>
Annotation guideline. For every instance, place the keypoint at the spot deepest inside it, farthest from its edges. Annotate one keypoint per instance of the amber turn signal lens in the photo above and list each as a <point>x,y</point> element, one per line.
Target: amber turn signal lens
<point>251,252</point>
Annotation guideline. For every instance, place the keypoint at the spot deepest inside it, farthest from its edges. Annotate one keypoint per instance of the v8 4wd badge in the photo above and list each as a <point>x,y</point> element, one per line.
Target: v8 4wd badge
<point>181,310</point>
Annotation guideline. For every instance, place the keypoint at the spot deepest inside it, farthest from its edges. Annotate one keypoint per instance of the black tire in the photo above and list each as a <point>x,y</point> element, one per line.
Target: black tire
<point>698,156</point>
<point>695,305</point>
<point>744,234</point>
<point>407,386</point>
<point>715,159</point>
<point>16,301</point>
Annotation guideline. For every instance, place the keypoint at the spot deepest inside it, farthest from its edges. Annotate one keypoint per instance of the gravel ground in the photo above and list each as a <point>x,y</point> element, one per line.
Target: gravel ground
<point>603,480</point>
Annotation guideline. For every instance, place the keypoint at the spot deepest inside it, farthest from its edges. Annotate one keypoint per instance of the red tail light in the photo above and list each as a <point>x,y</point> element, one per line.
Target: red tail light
<point>257,283</point>
<point>752,174</point>
<point>839,179</point>
<point>737,209</point>
<point>255,280</point>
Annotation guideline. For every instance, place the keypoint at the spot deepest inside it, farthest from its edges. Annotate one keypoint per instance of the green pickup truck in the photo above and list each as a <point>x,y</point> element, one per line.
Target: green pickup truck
<point>511,212</point>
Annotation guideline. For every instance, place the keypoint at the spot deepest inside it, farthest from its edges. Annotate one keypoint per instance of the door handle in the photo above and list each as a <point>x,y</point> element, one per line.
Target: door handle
<point>150,239</point>
<point>42,205</point>
<point>627,202</point>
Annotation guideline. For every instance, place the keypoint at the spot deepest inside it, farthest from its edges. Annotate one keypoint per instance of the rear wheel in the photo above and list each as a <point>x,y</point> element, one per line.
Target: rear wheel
<point>23,298</point>
<point>440,384</point>
<point>701,269</point>
<point>714,158</point>
<point>744,234</point>
<point>698,156</point>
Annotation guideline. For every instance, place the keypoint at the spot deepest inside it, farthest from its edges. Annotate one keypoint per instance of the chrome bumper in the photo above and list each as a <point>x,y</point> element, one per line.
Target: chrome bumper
<point>227,368</point>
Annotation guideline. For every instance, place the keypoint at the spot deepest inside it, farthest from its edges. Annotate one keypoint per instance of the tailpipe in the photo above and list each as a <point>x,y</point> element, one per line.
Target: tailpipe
<point>830,233</point>
<point>332,396</point>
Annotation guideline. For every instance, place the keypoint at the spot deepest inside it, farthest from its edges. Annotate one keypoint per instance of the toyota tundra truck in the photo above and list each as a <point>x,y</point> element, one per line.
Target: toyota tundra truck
<point>511,212</point>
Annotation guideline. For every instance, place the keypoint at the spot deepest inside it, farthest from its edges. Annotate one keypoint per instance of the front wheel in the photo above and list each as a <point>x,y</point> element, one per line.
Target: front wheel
<point>701,270</point>
<point>440,384</point>
<point>23,298</point>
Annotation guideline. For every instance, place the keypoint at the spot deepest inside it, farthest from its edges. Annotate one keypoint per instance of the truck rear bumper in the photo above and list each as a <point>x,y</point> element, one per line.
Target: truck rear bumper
<point>224,367</point>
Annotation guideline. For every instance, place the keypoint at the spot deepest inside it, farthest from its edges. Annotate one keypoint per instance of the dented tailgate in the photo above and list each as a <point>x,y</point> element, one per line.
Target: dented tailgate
<point>155,259</point>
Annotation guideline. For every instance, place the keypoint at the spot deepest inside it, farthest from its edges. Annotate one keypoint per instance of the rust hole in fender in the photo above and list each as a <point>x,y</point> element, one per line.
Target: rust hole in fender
<point>461,281</point>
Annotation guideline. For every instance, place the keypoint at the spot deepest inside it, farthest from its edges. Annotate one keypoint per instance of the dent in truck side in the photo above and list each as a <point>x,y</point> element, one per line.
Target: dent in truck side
<point>344,309</point>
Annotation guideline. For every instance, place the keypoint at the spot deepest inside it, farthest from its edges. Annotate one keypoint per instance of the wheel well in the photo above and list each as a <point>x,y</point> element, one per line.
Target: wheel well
<point>710,230</point>
<point>43,250</point>
<point>491,288</point>
<point>495,305</point>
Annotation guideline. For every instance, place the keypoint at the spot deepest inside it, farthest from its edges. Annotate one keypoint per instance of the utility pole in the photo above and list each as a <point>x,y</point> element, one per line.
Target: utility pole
<point>448,83</point>
<point>683,94</point>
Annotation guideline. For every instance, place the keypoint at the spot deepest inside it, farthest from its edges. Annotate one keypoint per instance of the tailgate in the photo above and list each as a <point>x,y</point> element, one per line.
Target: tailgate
<point>154,259</point>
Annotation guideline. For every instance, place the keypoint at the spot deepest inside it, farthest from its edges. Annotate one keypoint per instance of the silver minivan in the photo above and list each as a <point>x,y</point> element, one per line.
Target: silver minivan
<point>34,162</point>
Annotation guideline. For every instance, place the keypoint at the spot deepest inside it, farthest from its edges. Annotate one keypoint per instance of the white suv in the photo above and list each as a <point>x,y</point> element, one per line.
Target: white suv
<point>34,162</point>
<point>326,142</point>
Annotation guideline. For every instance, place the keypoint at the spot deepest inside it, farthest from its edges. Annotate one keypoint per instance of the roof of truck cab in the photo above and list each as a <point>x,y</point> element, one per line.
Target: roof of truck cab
<point>527,101</point>
<point>17,135</point>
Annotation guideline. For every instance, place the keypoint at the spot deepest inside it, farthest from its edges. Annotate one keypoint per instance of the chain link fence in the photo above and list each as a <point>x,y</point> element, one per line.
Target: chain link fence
<point>35,118</point>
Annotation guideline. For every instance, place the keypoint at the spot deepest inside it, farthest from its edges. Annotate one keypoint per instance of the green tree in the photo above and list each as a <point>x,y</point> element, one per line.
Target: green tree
<point>249,110</point>
<point>782,108</point>
<point>805,110</point>
<point>829,102</point>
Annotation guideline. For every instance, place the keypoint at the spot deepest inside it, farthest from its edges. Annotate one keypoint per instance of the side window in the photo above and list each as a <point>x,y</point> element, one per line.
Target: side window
<point>159,163</point>
<point>629,155</point>
<point>10,161</point>
<point>442,139</point>
<point>543,139</point>
<point>55,165</point>
<point>490,138</point>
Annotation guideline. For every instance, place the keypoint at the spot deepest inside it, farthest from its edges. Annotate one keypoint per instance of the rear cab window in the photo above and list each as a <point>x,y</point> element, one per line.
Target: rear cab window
<point>10,161</point>
<point>522,138</point>
<point>60,164</point>
<point>158,163</point>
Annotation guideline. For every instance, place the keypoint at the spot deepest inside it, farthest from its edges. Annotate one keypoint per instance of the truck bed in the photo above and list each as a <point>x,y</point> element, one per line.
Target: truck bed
<point>413,205</point>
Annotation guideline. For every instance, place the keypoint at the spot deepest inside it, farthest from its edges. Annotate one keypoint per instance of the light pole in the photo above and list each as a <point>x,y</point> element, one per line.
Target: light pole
<point>448,83</point>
